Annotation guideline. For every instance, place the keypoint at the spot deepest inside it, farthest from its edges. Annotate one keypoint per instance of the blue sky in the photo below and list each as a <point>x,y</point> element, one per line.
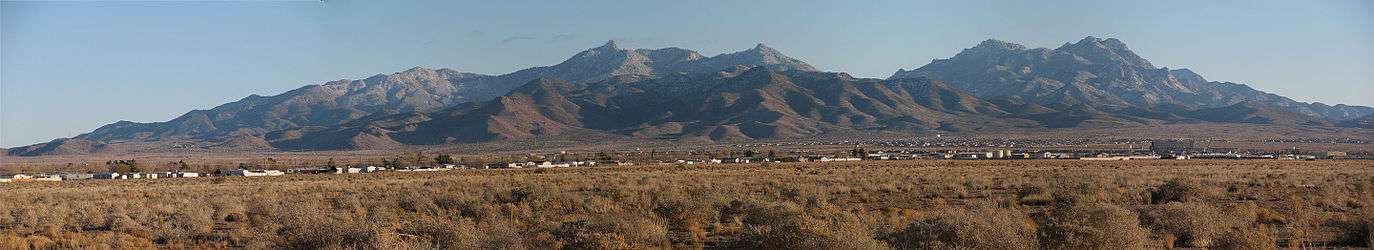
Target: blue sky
<point>69,67</point>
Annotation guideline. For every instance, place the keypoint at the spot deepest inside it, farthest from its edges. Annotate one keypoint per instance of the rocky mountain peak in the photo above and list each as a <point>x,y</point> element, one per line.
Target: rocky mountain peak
<point>610,45</point>
<point>761,55</point>
<point>1114,43</point>
<point>998,45</point>
<point>766,53</point>
<point>763,48</point>
<point>610,48</point>
<point>1090,39</point>
<point>1103,51</point>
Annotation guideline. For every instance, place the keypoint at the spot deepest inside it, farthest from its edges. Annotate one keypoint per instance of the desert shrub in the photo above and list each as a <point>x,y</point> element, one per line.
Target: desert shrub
<point>329,234</point>
<point>683,214</point>
<point>1035,196</point>
<point>1195,224</point>
<point>1246,238</point>
<point>500,234</point>
<point>8,241</point>
<point>1079,195</point>
<point>1301,219</point>
<point>301,225</point>
<point>87,218</point>
<point>1356,230</point>
<point>126,241</point>
<point>983,228</point>
<point>415,202</point>
<point>613,232</point>
<point>532,194</point>
<point>1092,226</point>
<point>788,226</point>
<point>122,223</point>
<point>444,233</point>
<point>189,221</point>
<point>1182,190</point>
<point>862,205</point>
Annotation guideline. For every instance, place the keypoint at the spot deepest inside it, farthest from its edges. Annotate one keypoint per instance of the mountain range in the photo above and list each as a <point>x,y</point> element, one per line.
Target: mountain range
<point>679,94</point>
<point>1102,72</point>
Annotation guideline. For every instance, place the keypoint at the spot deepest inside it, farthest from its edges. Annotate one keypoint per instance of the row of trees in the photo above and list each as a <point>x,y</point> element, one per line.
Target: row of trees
<point>132,166</point>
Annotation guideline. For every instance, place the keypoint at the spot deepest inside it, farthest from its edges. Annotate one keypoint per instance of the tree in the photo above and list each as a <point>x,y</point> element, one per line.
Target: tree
<point>444,159</point>
<point>419,158</point>
<point>858,152</point>
<point>123,166</point>
<point>115,168</point>
<point>182,166</point>
<point>392,163</point>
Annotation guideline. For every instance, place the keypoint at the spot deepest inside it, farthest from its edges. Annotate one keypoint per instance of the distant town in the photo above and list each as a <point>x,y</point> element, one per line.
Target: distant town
<point>1157,150</point>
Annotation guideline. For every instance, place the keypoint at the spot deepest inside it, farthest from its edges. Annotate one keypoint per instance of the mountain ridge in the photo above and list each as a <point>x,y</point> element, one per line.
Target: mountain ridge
<point>759,93</point>
<point>416,89</point>
<point>1101,69</point>
<point>742,104</point>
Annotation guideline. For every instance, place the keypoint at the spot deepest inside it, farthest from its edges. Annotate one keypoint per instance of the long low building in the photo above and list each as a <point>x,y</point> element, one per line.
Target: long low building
<point>78,176</point>
<point>1121,158</point>
<point>251,173</point>
<point>28,178</point>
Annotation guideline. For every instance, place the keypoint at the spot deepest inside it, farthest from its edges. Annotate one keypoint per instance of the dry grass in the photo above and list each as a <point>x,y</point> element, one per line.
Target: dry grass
<point>862,205</point>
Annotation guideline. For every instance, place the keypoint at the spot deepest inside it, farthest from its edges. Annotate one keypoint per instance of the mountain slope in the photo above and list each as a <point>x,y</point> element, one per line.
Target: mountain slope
<point>420,89</point>
<point>328,104</point>
<point>609,60</point>
<point>1366,122</point>
<point>1255,112</point>
<point>1104,72</point>
<point>738,104</point>
<point>415,90</point>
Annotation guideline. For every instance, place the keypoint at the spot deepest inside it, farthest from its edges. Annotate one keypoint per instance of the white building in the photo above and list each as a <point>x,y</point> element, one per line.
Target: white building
<point>548,164</point>
<point>828,159</point>
<point>1052,155</point>
<point>16,178</point>
<point>252,173</point>
<point>178,175</point>
<point>359,169</point>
